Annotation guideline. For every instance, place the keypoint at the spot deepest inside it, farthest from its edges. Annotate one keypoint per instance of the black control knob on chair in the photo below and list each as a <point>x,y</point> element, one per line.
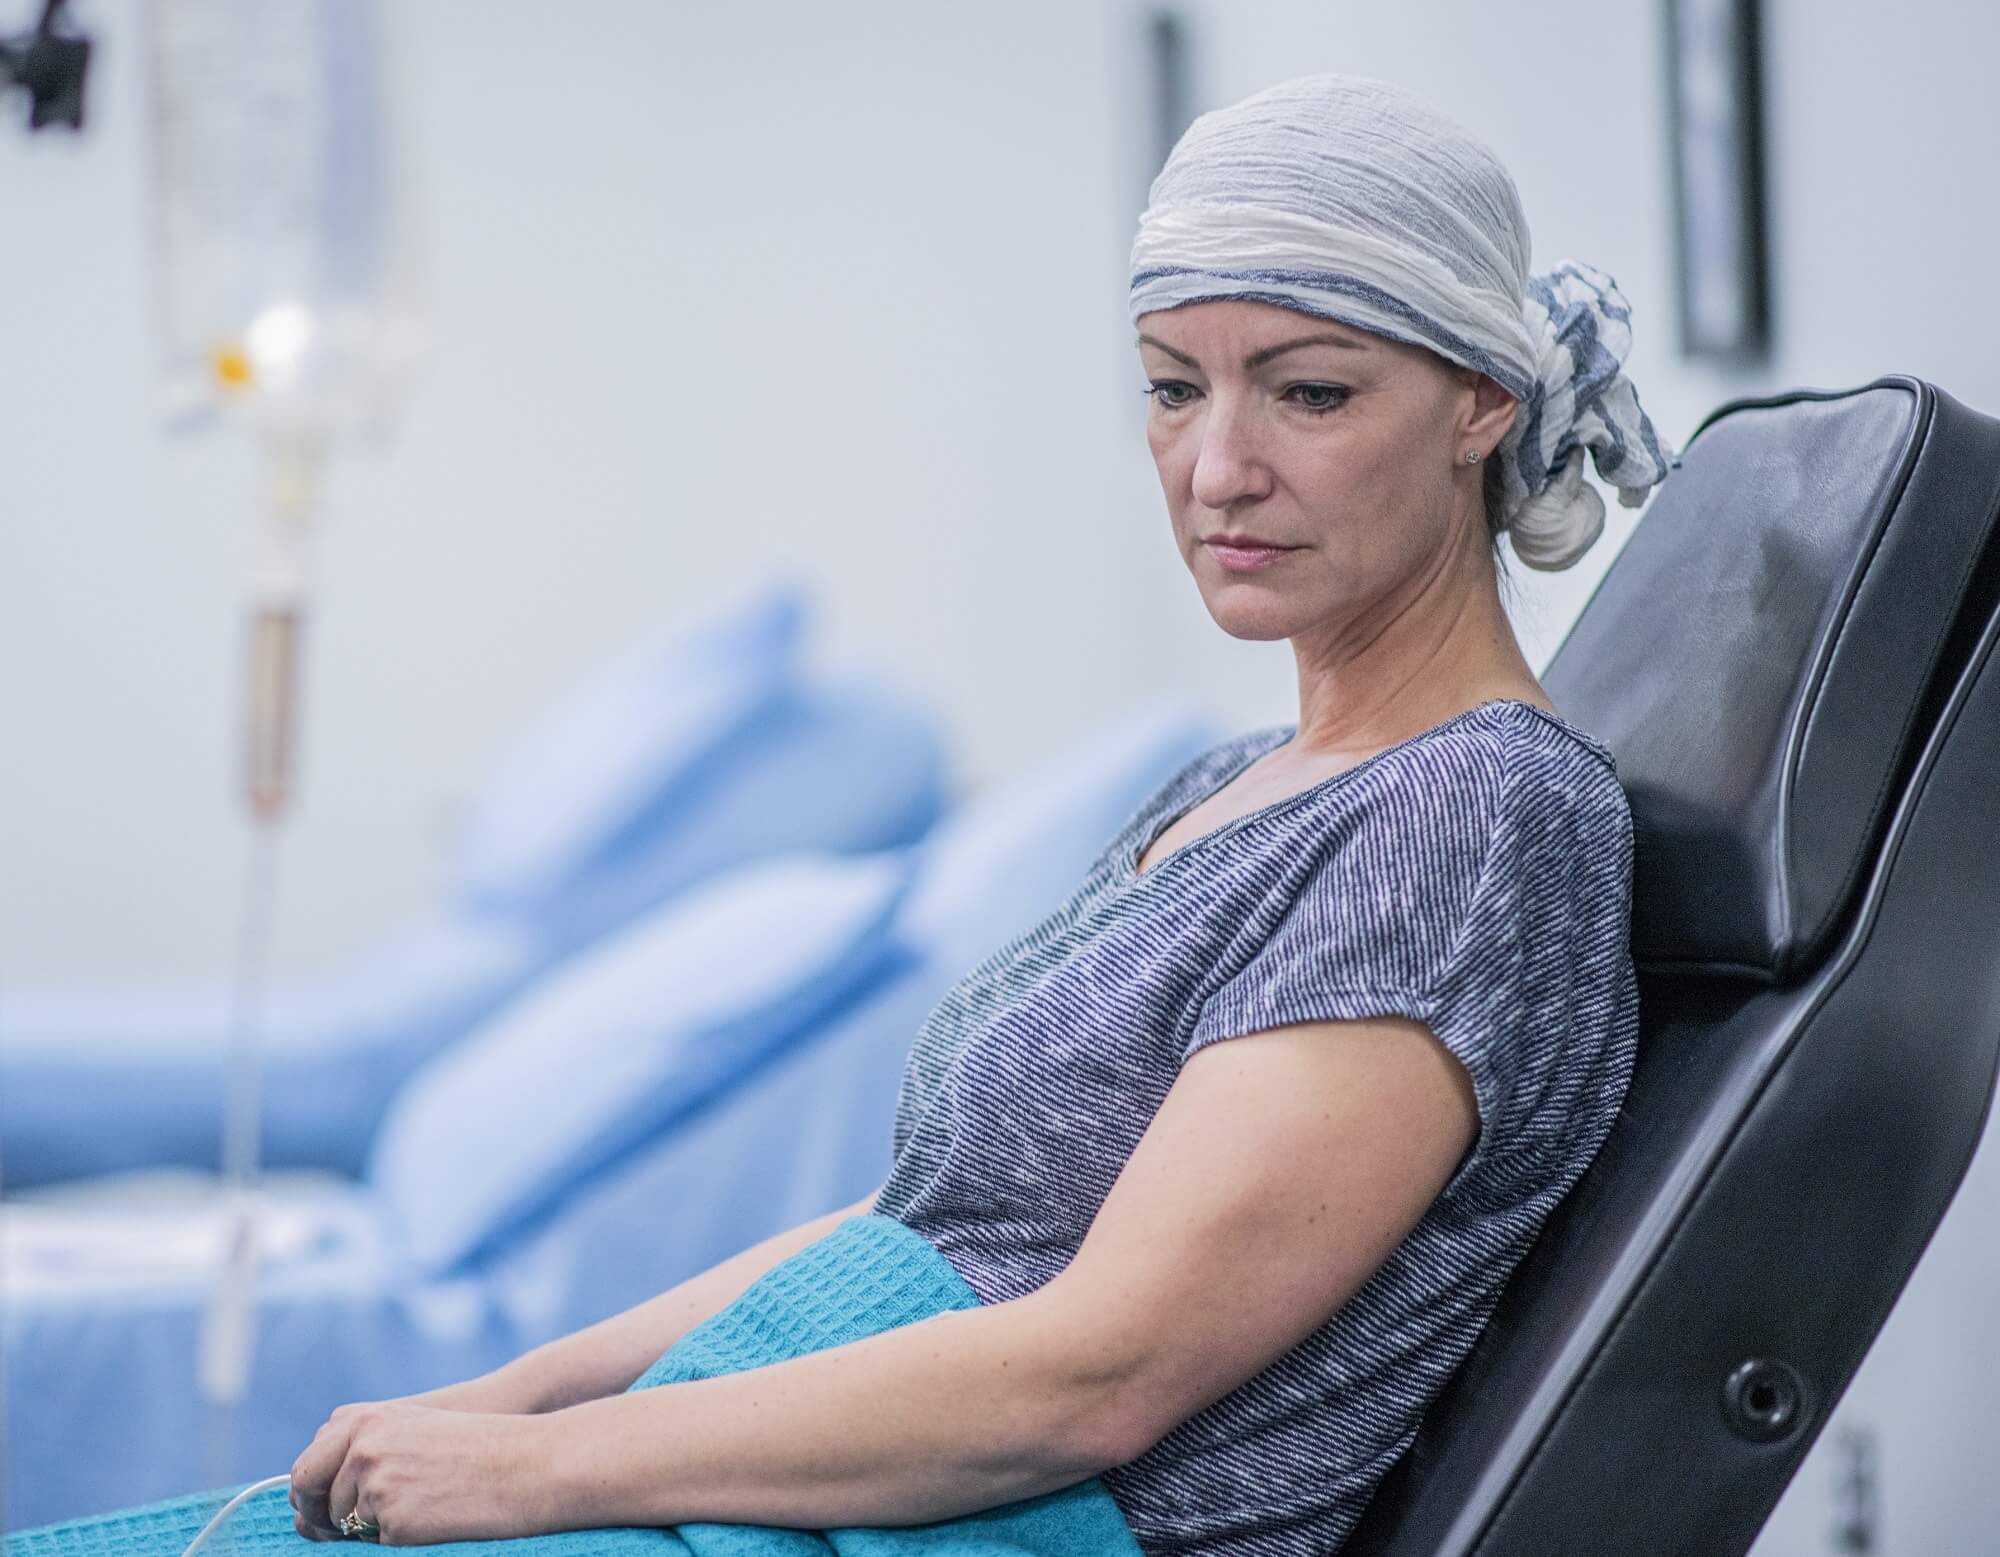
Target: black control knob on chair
<point>1763,1399</point>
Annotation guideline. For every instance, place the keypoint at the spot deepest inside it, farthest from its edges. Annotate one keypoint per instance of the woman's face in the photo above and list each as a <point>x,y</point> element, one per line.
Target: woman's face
<point>1342,448</point>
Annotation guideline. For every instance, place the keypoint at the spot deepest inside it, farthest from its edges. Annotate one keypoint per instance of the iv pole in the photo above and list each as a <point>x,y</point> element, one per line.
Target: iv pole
<point>287,303</point>
<point>306,331</point>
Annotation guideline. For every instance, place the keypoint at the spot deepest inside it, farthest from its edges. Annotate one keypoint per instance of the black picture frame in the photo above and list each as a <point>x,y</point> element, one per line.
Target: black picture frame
<point>1715,133</point>
<point>1170,71</point>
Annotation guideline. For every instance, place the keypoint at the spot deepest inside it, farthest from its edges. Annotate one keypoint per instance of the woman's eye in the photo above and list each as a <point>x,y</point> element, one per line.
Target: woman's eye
<point>1169,393</point>
<point>1318,398</point>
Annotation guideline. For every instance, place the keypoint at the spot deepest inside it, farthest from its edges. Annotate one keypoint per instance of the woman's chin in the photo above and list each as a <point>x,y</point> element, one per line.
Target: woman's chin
<point>1257,616</point>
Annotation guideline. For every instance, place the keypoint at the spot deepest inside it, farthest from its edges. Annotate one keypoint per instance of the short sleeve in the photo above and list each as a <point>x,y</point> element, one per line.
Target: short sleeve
<point>1467,900</point>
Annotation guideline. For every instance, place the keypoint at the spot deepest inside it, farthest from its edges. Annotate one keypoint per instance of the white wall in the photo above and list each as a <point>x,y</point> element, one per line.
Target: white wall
<point>845,299</point>
<point>842,286</point>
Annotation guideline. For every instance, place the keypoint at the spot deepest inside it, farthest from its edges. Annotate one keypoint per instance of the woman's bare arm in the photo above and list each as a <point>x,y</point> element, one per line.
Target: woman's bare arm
<point>1279,1172</point>
<point>606,1357</point>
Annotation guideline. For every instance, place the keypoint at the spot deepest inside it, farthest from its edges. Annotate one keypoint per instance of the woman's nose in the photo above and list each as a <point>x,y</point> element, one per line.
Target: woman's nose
<point>1228,467</point>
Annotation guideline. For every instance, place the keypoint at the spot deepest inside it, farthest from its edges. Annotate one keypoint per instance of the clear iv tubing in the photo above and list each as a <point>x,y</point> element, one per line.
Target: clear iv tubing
<point>279,591</point>
<point>231,1507</point>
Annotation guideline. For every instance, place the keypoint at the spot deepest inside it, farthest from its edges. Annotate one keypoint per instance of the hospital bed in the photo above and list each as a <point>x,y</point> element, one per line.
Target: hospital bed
<point>764,1097</point>
<point>700,747</point>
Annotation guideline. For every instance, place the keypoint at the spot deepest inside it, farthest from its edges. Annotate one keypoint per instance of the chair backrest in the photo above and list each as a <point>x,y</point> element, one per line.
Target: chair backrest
<point>1793,662</point>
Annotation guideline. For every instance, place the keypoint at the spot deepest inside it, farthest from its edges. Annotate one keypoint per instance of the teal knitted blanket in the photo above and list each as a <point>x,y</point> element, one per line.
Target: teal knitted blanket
<point>868,1275</point>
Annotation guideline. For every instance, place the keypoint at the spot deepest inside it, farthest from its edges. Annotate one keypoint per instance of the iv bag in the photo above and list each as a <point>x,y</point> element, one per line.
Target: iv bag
<point>284,260</point>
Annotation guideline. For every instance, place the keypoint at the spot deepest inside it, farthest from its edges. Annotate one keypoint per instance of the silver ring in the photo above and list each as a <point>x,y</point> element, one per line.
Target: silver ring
<point>355,1528</point>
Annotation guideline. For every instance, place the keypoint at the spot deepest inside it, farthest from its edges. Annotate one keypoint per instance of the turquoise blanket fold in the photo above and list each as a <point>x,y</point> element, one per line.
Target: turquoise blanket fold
<point>868,1275</point>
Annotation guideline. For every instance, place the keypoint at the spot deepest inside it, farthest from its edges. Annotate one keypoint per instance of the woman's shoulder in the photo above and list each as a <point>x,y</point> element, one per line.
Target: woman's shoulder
<point>1505,765</point>
<point>1507,771</point>
<point>1513,754</point>
<point>1503,817</point>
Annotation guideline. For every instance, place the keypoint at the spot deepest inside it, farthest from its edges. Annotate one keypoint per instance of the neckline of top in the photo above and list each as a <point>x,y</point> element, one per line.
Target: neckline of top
<point>1258,742</point>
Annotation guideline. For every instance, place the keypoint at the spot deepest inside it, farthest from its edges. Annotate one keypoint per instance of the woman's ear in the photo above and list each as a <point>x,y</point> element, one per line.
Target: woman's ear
<point>1493,410</point>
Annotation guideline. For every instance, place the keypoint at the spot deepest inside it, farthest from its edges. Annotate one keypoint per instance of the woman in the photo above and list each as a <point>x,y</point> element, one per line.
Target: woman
<point>1236,1148</point>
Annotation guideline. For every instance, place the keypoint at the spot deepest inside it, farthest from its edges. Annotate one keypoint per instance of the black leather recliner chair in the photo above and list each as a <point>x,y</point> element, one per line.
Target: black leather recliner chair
<point>1793,660</point>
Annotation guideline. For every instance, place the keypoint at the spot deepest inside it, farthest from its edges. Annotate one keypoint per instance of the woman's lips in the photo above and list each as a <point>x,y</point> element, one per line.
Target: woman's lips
<point>1247,559</point>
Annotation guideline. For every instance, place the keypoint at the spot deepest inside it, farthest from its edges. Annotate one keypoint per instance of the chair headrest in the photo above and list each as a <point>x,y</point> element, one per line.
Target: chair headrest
<point>1798,575</point>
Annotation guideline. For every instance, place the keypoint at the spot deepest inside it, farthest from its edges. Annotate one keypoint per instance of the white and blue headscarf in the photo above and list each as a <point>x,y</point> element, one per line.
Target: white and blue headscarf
<point>1354,200</point>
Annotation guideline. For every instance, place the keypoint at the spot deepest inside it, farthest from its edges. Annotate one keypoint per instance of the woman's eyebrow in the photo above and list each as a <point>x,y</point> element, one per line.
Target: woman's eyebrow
<point>1257,359</point>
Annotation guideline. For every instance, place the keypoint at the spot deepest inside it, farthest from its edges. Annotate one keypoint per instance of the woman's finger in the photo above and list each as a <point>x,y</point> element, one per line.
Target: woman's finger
<point>313,1472</point>
<point>307,1527</point>
<point>365,1511</point>
<point>345,1497</point>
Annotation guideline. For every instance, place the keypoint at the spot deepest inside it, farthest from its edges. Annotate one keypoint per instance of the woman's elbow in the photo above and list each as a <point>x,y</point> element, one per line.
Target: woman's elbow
<point>1118,1430</point>
<point>1111,1405</point>
<point>1087,1432</point>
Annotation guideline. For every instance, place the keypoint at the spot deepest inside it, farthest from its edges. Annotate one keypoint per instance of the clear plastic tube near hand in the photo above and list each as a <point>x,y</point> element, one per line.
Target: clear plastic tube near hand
<point>279,590</point>
<point>222,1514</point>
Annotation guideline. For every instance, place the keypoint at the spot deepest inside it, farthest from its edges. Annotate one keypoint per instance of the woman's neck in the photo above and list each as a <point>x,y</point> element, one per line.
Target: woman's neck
<point>1447,648</point>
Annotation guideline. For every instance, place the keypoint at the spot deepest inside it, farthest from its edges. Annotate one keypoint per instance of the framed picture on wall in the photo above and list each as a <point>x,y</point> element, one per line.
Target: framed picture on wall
<point>1715,130</point>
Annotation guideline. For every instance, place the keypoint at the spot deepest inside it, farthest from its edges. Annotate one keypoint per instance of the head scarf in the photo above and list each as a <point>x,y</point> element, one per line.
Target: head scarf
<point>1354,200</point>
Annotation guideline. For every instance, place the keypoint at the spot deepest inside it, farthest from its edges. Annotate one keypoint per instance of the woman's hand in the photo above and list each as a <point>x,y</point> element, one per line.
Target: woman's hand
<point>489,1393</point>
<point>424,1474</point>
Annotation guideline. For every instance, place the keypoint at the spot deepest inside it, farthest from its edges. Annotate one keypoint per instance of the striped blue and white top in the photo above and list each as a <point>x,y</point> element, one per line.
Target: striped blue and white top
<point>1476,877</point>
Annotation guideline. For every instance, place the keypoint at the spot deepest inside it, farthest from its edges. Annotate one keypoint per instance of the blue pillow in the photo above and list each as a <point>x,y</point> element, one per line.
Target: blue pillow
<point>845,765</point>
<point>623,1043</point>
<point>1007,859</point>
<point>574,784</point>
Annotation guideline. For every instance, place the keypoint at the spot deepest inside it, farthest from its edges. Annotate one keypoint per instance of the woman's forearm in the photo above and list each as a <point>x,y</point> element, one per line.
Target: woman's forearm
<point>606,1357</point>
<point>959,1412</point>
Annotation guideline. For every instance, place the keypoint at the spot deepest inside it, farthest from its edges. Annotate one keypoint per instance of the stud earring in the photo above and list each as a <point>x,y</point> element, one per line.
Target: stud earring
<point>1472,456</point>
